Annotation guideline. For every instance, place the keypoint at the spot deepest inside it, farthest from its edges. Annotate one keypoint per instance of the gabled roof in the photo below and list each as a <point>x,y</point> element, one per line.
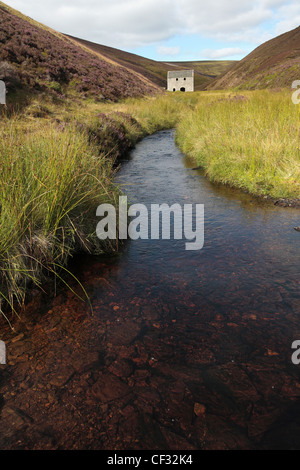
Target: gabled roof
<point>181,74</point>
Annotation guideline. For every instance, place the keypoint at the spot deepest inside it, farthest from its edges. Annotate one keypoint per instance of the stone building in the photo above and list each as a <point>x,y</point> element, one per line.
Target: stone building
<point>181,80</point>
<point>2,92</point>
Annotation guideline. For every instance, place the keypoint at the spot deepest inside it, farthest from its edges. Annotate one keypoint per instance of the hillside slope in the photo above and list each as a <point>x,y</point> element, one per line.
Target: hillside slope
<point>35,57</point>
<point>276,63</point>
<point>210,68</point>
<point>155,71</point>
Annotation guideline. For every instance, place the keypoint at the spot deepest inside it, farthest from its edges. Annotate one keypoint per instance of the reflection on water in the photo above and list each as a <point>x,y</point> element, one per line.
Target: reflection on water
<point>185,349</point>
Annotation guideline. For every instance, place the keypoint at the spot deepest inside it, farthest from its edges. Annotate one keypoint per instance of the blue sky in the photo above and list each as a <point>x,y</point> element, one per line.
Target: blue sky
<point>169,30</point>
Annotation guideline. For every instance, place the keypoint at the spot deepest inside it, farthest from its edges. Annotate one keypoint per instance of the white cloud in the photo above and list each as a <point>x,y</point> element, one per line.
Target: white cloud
<point>222,53</point>
<point>133,23</point>
<point>117,23</point>
<point>225,17</point>
<point>288,18</point>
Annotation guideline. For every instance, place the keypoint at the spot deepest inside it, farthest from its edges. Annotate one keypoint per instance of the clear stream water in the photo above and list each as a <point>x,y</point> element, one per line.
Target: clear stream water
<point>194,347</point>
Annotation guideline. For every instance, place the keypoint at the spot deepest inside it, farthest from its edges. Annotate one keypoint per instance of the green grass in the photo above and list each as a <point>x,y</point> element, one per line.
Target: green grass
<point>249,140</point>
<point>51,183</point>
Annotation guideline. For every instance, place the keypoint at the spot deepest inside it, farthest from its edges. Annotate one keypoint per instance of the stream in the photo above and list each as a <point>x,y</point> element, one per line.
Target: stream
<point>184,350</point>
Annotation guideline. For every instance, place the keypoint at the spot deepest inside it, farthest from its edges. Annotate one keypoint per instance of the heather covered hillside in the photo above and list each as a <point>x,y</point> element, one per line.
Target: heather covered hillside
<point>274,64</point>
<point>156,72</point>
<point>35,58</point>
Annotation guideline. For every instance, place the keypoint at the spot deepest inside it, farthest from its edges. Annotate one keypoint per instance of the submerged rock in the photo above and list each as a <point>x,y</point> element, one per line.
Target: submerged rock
<point>199,409</point>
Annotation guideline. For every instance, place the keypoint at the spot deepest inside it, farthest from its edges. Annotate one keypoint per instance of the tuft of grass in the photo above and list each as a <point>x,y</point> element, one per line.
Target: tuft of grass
<point>152,113</point>
<point>52,180</point>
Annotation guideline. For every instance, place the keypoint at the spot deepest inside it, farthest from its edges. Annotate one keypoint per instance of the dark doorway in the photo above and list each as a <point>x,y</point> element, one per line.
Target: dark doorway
<point>182,89</point>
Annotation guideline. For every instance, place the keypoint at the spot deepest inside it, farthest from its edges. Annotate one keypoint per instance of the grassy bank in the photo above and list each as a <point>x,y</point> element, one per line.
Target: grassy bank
<point>247,140</point>
<point>57,166</point>
<point>51,182</point>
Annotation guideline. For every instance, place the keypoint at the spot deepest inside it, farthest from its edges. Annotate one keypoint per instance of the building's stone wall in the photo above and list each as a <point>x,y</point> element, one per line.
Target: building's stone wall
<point>181,80</point>
<point>2,92</point>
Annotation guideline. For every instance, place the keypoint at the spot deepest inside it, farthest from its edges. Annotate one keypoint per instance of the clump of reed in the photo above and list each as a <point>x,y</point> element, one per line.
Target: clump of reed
<point>52,180</point>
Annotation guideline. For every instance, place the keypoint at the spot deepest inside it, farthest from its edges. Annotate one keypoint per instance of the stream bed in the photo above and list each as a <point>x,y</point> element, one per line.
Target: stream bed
<point>184,350</point>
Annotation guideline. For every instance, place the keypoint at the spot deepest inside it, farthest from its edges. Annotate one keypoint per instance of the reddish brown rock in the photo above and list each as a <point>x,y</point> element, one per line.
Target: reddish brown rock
<point>109,388</point>
<point>199,409</point>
